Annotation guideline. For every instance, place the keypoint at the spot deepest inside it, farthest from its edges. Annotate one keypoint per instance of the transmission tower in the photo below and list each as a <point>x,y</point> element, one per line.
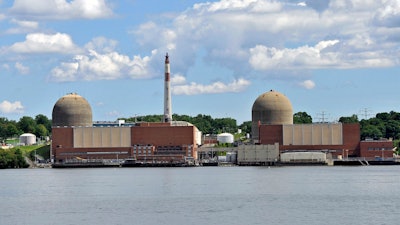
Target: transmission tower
<point>322,117</point>
<point>365,113</point>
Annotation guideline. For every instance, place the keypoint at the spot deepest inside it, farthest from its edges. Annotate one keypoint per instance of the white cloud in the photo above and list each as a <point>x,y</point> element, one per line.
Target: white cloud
<point>61,9</point>
<point>102,44</point>
<point>302,4</point>
<point>214,88</point>
<point>23,26</point>
<point>11,107</point>
<point>26,23</point>
<point>264,58</point>
<point>178,79</point>
<point>21,68</point>
<point>110,65</point>
<point>45,43</point>
<point>307,84</point>
<point>254,36</point>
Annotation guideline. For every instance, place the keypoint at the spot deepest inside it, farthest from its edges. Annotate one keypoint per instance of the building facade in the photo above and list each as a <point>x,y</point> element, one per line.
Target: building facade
<point>158,142</point>
<point>336,138</point>
<point>376,149</point>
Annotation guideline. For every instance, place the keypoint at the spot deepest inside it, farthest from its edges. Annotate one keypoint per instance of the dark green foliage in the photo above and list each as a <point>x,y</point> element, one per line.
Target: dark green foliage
<point>246,127</point>
<point>11,158</point>
<point>349,119</point>
<point>27,124</point>
<point>43,151</point>
<point>42,119</point>
<point>204,123</point>
<point>40,126</point>
<point>383,125</point>
<point>8,128</point>
<point>301,118</point>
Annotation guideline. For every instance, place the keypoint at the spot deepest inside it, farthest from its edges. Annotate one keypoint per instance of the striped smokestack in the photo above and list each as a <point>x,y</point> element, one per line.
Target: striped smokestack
<point>167,92</point>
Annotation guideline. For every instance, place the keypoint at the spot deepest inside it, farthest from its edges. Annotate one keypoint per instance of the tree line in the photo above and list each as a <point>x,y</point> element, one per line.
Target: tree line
<point>40,126</point>
<point>205,123</point>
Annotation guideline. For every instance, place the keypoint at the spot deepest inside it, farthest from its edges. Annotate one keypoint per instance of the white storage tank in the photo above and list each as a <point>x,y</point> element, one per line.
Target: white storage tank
<point>225,138</point>
<point>27,139</point>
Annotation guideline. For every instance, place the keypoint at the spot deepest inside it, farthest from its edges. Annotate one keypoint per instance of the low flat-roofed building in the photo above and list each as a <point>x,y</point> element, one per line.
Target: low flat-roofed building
<point>376,149</point>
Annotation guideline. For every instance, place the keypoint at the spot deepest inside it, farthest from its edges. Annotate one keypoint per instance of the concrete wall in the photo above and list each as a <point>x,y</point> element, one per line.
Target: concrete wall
<point>313,134</point>
<point>303,157</point>
<point>252,154</point>
<point>97,137</point>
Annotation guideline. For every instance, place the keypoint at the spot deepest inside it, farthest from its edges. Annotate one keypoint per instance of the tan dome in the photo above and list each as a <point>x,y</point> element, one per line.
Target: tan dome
<point>271,108</point>
<point>72,110</point>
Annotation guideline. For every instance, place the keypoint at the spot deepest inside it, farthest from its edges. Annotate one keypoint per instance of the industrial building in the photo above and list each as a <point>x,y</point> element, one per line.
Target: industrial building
<point>275,139</point>
<point>75,140</point>
<point>272,122</point>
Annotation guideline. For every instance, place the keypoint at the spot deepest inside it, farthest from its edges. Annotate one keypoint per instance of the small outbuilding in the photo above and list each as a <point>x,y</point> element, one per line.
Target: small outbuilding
<point>27,139</point>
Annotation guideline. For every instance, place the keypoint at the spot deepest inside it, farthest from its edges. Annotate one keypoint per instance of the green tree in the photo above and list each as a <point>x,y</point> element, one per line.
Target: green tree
<point>12,130</point>
<point>225,125</point>
<point>41,131</point>
<point>371,131</point>
<point>384,116</point>
<point>246,127</point>
<point>392,129</point>
<point>27,124</point>
<point>349,119</point>
<point>42,119</point>
<point>301,118</point>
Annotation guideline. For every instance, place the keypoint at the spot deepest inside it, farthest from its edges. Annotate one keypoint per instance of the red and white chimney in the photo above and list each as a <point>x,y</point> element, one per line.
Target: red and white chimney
<point>167,93</point>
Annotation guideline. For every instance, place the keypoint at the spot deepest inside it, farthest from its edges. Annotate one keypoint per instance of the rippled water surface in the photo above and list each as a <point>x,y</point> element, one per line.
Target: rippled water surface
<point>203,195</point>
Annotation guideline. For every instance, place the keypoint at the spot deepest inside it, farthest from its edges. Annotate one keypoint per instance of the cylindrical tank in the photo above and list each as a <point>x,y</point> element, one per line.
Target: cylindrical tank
<point>27,139</point>
<point>72,110</point>
<point>270,108</point>
<point>225,138</point>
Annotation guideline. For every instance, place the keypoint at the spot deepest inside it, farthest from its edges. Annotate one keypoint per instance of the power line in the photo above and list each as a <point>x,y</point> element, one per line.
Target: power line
<point>366,113</point>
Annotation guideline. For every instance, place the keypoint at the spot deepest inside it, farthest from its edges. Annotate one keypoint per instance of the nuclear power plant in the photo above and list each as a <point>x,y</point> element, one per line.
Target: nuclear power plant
<point>77,141</point>
<point>272,125</point>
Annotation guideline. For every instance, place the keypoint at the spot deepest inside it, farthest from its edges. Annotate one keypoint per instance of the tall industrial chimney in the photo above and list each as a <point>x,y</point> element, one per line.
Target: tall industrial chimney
<point>167,93</point>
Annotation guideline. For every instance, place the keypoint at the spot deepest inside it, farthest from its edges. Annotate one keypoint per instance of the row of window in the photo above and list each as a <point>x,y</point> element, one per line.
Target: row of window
<point>378,149</point>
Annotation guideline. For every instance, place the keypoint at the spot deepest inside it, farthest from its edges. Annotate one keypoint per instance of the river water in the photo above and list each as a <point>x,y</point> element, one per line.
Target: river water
<point>201,195</point>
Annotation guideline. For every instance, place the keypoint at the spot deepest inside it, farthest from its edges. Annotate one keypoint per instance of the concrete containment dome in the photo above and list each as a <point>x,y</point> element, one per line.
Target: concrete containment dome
<point>72,110</point>
<point>271,108</point>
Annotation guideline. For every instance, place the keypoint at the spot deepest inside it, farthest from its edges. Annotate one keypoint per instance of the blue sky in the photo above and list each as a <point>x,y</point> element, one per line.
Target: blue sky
<point>330,58</point>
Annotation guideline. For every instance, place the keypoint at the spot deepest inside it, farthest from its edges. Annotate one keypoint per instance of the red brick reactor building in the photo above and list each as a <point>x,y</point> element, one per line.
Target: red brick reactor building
<point>272,122</point>
<point>74,138</point>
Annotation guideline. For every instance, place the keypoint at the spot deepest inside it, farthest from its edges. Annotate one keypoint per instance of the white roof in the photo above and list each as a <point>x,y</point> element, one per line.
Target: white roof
<point>27,135</point>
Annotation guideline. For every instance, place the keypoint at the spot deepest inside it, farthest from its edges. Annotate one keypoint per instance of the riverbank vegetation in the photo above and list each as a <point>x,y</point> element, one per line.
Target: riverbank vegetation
<point>16,157</point>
